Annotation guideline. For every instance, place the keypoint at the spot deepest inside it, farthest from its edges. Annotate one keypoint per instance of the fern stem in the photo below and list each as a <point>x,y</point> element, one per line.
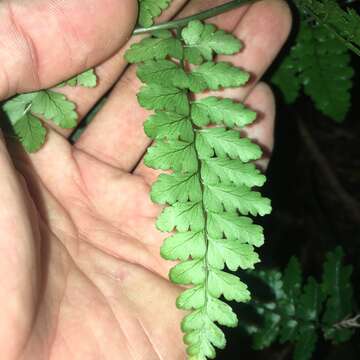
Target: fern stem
<point>200,16</point>
<point>206,238</point>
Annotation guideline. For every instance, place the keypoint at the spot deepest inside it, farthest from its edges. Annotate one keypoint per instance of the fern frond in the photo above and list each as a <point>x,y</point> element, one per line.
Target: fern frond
<point>321,64</point>
<point>209,192</point>
<point>45,104</point>
<point>150,9</point>
<point>345,24</point>
<point>299,314</point>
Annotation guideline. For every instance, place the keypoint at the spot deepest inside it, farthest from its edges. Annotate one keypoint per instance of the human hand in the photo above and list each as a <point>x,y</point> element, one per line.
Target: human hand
<point>81,273</point>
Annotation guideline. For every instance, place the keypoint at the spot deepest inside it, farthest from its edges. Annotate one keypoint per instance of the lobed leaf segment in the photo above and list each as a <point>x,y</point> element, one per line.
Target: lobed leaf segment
<point>209,191</point>
<point>298,314</point>
<point>25,111</point>
<point>320,64</point>
<point>150,9</point>
<point>343,22</point>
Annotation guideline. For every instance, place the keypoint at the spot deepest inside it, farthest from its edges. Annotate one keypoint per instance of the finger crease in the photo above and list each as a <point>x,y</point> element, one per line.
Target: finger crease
<point>29,44</point>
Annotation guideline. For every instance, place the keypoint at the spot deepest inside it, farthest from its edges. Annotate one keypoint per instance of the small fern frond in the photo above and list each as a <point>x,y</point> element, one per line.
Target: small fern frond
<point>319,63</point>
<point>345,24</point>
<point>300,314</point>
<point>31,107</point>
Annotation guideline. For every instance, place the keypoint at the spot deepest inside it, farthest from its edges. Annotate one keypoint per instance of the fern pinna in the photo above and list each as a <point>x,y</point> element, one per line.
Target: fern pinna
<point>209,191</point>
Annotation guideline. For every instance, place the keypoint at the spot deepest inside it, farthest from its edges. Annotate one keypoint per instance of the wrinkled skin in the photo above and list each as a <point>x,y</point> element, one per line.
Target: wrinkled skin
<point>80,270</point>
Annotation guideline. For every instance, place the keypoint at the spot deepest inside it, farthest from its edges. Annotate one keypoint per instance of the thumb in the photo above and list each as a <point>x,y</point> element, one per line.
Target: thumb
<point>19,243</point>
<point>43,42</point>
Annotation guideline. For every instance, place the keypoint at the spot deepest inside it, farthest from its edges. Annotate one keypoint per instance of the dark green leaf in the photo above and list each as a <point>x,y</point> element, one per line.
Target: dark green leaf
<point>337,287</point>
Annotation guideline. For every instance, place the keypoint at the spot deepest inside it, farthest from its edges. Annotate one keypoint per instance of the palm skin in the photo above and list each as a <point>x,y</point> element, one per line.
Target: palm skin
<point>100,285</point>
<point>81,273</point>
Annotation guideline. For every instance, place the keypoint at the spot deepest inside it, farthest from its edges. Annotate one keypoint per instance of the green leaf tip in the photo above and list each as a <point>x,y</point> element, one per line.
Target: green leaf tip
<point>150,9</point>
<point>45,104</point>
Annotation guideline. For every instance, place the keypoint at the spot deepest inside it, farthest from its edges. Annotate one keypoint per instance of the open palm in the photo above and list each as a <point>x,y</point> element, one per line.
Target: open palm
<point>81,274</point>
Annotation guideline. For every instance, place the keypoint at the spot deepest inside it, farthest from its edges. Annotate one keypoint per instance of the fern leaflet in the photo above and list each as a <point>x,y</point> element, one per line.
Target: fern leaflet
<point>46,104</point>
<point>345,24</point>
<point>209,192</point>
<point>321,65</point>
<point>149,9</point>
<point>298,314</point>
<point>86,79</point>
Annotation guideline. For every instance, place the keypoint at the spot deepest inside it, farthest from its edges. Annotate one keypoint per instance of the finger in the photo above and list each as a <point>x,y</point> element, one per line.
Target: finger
<point>119,124</point>
<point>108,74</point>
<point>263,30</point>
<point>19,263</point>
<point>44,42</point>
<point>260,99</point>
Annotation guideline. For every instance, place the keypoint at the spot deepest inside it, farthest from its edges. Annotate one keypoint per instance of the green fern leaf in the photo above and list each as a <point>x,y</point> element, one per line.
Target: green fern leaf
<point>214,76</point>
<point>231,253</point>
<point>265,335</point>
<point>269,332</point>
<point>306,342</point>
<point>227,171</point>
<point>203,40</point>
<point>337,287</point>
<point>150,9</point>
<point>49,104</point>
<point>160,97</point>
<point>184,245</point>
<point>169,125</point>
<point>288,330</point>
<point>176,187</point>
<point>310,302</point>
<point>173,154</point>
<point>225,143</point>
<point>28,107</point>
<point>345,23</point>
<point>228,285</point>
<point>321,64</point>
<point>54,106</point>
<point>232,199</point>
<point>326,72</point>
<point>160,45</point>
<point>286,78</point>
<point>292,288</point>
<point>292,283</point>
<point>18,106</point>
<point>295,313</point>
<point>210,187</point>
<point>182,217</point>
<point>30,132</point>
<point>235,228</point>
<point>161,71</point>
<point>221,112</point>
<point>222,313</point>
